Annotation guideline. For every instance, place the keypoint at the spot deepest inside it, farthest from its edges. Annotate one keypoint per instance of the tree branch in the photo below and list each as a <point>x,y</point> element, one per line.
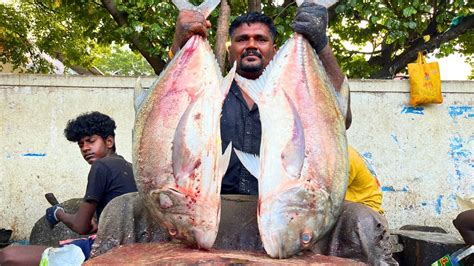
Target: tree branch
<point>254,6</point>
<point>283,12</point>
<point>410,54</point>
<point>351,52</point>
<point>156,62</point>
<point>221,34</point>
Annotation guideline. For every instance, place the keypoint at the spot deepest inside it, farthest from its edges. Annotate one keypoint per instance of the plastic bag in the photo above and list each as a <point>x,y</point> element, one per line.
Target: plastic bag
<point>69,255</point>
<point>425,82</point>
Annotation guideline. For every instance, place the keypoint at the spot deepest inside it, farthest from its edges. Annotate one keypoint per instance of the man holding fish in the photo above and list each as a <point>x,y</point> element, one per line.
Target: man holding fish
<point>252,48</point>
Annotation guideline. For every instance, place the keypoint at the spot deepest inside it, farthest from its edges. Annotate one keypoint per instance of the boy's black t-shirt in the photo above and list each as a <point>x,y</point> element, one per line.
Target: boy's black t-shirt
<point>108,178</point>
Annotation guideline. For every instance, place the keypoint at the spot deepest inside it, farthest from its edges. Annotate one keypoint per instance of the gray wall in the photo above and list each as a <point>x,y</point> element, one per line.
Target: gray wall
<point>423,156</point>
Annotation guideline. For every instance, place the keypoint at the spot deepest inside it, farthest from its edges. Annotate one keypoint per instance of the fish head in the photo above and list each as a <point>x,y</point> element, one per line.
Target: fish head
<point>185,217</point>
<point>290,222</point>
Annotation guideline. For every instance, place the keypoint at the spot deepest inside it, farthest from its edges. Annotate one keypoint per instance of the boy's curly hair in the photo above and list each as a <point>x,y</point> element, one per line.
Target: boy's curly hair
<point>88,124</point>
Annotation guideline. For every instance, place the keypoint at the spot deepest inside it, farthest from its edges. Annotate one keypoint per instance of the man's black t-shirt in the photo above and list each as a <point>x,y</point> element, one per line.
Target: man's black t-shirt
<point>242,126</point>
<point>109,177</point>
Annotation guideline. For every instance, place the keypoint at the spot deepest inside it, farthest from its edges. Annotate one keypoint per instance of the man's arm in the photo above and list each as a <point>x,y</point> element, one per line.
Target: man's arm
<point>311,22</point>
<point>336,77</point>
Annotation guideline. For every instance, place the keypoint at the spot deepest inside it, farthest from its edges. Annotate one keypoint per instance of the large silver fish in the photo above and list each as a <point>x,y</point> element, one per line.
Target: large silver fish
<point>303,166</point>
<point>177,154</point>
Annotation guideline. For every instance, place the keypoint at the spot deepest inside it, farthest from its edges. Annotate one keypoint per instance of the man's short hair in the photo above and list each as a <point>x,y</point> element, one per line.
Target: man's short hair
<point>88,124</point>
<point>250,18</point>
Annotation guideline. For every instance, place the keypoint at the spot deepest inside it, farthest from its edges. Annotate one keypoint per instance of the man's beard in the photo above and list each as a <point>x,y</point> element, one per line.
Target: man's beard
<point>252,67</point>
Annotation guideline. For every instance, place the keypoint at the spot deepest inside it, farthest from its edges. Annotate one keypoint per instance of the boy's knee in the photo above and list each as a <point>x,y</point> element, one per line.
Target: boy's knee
<point>464,220</point>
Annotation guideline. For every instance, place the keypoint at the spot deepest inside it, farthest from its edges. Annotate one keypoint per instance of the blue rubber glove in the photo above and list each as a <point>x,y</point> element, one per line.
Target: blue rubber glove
<point>311,21</point>
<point>51,214</point>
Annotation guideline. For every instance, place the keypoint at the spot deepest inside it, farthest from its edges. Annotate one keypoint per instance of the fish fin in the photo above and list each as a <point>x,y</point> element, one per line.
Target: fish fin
<point>205,8</point>
<point>465,203</point>
<point>253,88</point>
<point>184,160</point>
<point>139,94</point>
<point>225,159</point>
<point>227,81</point>
<point>325,3</point>
<point>293,154</point>
<point>342,97</point>
<point>250,161</point>
<point>208,6</point>
<point>183,4</point>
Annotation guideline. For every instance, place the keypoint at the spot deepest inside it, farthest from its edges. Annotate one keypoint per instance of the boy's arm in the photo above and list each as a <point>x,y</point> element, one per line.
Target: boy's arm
<point>79,222</point>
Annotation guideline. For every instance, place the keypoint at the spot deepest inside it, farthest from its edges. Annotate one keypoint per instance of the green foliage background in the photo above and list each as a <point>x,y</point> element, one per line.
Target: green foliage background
<point>83,33</point>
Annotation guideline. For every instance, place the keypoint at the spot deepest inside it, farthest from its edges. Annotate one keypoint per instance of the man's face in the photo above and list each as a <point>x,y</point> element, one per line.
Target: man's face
<point>95,147</point>
<point>252,48</point>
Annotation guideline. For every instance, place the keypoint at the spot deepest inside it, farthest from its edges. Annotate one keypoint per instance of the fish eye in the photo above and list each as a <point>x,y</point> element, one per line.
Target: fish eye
<point>306,238</point>
<point>172,231</point>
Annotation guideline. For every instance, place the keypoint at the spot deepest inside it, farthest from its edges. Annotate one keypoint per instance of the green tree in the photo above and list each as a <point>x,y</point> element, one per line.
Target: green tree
<point>120,60</point>
<point>76,31</point>
<point>396,31</point>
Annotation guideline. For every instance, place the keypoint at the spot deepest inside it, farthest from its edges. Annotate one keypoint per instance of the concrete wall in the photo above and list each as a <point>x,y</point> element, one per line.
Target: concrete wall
<point>423,156</point>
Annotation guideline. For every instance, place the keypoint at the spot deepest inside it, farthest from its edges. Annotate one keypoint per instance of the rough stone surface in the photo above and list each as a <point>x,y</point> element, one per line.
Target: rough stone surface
<point>423,248</point>
<point>177,254</point>
<point>423,228</point>
<point>238,228</point>
<point>125,220</point>
<point>42,234</point>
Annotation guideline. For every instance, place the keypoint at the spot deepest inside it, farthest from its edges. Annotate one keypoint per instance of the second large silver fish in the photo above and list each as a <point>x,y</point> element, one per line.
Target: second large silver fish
<point>303,166</point>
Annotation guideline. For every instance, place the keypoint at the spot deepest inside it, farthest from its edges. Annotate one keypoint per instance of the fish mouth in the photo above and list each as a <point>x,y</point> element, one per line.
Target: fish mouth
<point>204,239</point>
<point>276,248</point>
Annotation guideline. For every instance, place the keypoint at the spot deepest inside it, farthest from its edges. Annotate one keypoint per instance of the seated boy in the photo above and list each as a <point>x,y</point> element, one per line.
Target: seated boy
<point>110,176</point>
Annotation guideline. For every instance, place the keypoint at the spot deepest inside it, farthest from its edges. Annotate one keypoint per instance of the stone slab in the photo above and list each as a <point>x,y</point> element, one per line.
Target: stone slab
<point>173,254</point>
<point>423,248</point>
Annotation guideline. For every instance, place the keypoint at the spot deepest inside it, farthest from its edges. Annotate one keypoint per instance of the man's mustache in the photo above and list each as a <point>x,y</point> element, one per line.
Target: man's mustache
<point>251,52</point>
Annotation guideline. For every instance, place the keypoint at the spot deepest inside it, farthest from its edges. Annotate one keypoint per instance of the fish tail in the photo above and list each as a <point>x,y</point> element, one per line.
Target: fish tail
<point>205,8</point>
